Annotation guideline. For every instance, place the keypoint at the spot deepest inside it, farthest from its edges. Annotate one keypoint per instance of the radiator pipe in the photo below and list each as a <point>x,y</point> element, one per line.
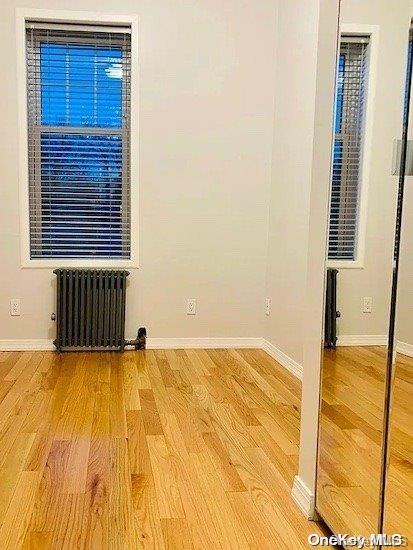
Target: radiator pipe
<point>140,341</point>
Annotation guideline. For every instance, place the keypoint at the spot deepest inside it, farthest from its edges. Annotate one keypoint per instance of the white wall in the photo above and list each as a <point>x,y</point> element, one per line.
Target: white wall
<point>206,130</point>
<point>291,176</point>
<point>375,278</point>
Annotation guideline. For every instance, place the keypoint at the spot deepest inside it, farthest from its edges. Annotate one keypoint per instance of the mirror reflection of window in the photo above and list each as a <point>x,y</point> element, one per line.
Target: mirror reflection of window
<point>351,91</point>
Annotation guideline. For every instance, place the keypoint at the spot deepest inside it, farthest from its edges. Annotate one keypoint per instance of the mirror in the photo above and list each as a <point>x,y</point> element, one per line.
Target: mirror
<point>398,502</point>
<point>371,67</point>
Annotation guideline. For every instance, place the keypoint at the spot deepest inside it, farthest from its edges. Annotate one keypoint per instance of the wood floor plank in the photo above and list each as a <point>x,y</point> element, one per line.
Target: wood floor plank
<point>146,512</point>
<point>8,360</point>
<point>144,501</point>
<point>150,414</point>
<point>37,540</point>
<point>256,531</point>
<point>176,533</point>
<point>117,398</point>
<point>224,519</point>
<point>49,497</point>
<point>197,513</point>
<point>20,366</point>
<point>122,527</point>
<point>165,369</point>
<point>169,500</point>
<point>228,473</point>
<point>287,465</point>
<point>12,466</point>
<point>77,464</point>
<point>17,517</point>
<point>130,378</point>
<point>71,525</point>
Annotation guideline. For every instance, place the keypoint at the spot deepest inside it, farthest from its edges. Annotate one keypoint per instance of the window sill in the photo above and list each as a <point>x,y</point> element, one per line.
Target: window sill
<point>345,264</point>
<point>79,264</point>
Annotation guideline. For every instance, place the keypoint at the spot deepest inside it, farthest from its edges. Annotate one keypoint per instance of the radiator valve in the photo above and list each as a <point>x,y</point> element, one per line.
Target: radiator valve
<point>140,342</point>
<point>141,339</point>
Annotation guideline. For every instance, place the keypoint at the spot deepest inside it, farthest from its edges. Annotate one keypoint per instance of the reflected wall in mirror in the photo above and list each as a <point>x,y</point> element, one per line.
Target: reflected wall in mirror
<point>398,503</point>
<point>369,103</point>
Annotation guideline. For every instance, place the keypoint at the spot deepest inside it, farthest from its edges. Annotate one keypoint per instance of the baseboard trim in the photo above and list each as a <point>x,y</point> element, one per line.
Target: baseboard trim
<point>362,340</point>
<point>26,345</point>
<point>405,349</point>
<point>304,498</point>
<point>285,360</point>
<point>152,343</point>
<point>206,343</point>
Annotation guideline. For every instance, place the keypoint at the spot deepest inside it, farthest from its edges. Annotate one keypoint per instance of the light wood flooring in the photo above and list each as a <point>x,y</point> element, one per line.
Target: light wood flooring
<point>350,443</point>
<point>157,449</point>
<point>350,439</point>
<point>398,509</point>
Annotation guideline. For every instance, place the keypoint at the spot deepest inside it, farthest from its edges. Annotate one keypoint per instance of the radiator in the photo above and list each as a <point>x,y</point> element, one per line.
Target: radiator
<point>90,309</point>
<point>331,313</point>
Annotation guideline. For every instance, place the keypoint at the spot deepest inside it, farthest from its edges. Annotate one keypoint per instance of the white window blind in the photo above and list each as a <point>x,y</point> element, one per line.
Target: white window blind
<point>78,97</point>
<point>347,153</point>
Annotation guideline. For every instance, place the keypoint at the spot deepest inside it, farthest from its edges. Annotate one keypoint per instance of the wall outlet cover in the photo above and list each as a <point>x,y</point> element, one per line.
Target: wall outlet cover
<point>15,306</point>
<point>191,306</point>
<point>367,304</point>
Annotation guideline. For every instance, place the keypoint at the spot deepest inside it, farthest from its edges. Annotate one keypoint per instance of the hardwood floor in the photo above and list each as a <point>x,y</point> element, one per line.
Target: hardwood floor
<point>398,508</point>
<point>350,444</point>
<point>350,438</point>
<point>159,449</point>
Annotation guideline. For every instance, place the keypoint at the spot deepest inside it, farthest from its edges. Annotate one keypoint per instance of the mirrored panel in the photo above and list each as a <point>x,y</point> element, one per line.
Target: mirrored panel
<point>371,68</point>
<point>398,503</point>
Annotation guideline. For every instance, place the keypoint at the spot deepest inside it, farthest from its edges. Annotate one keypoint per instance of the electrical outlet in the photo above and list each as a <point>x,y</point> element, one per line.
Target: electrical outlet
<point>267,306</point>
<point>367,304</point>
<point>191,306</point>
<point>15,306</point>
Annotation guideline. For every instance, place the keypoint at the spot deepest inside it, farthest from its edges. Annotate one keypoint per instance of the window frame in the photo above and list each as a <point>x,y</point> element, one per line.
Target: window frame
<point>82,18</point>
<point>372,31</point>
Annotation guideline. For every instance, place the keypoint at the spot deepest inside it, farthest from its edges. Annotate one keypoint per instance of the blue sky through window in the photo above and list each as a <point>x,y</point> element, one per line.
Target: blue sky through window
<point>340,93</point>
<point>81,173</point>
<point>81,85</point>
<point>337,157</point>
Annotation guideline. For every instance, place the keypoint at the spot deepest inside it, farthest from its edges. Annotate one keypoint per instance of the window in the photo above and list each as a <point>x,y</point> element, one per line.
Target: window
<point>344,229</point>
<point>78,115</point>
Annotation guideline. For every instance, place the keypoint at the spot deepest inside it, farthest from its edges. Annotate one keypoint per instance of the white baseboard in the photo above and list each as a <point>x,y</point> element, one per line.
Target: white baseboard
<point>405,349</point>
<point>152,343</point>
<point>304,498</point>
<point>362,340</point>
<point>285,360</point>
<point>206,343</point>
<point>26,345</point>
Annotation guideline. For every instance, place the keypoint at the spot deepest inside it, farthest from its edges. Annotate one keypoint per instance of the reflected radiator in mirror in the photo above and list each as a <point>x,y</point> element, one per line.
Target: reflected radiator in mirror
<point>397,148</point>
<point>331,313</point>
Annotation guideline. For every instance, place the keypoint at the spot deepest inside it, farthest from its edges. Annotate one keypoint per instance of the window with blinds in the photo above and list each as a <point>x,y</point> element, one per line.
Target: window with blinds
<point>78,98</point>
<point>347,152</point>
